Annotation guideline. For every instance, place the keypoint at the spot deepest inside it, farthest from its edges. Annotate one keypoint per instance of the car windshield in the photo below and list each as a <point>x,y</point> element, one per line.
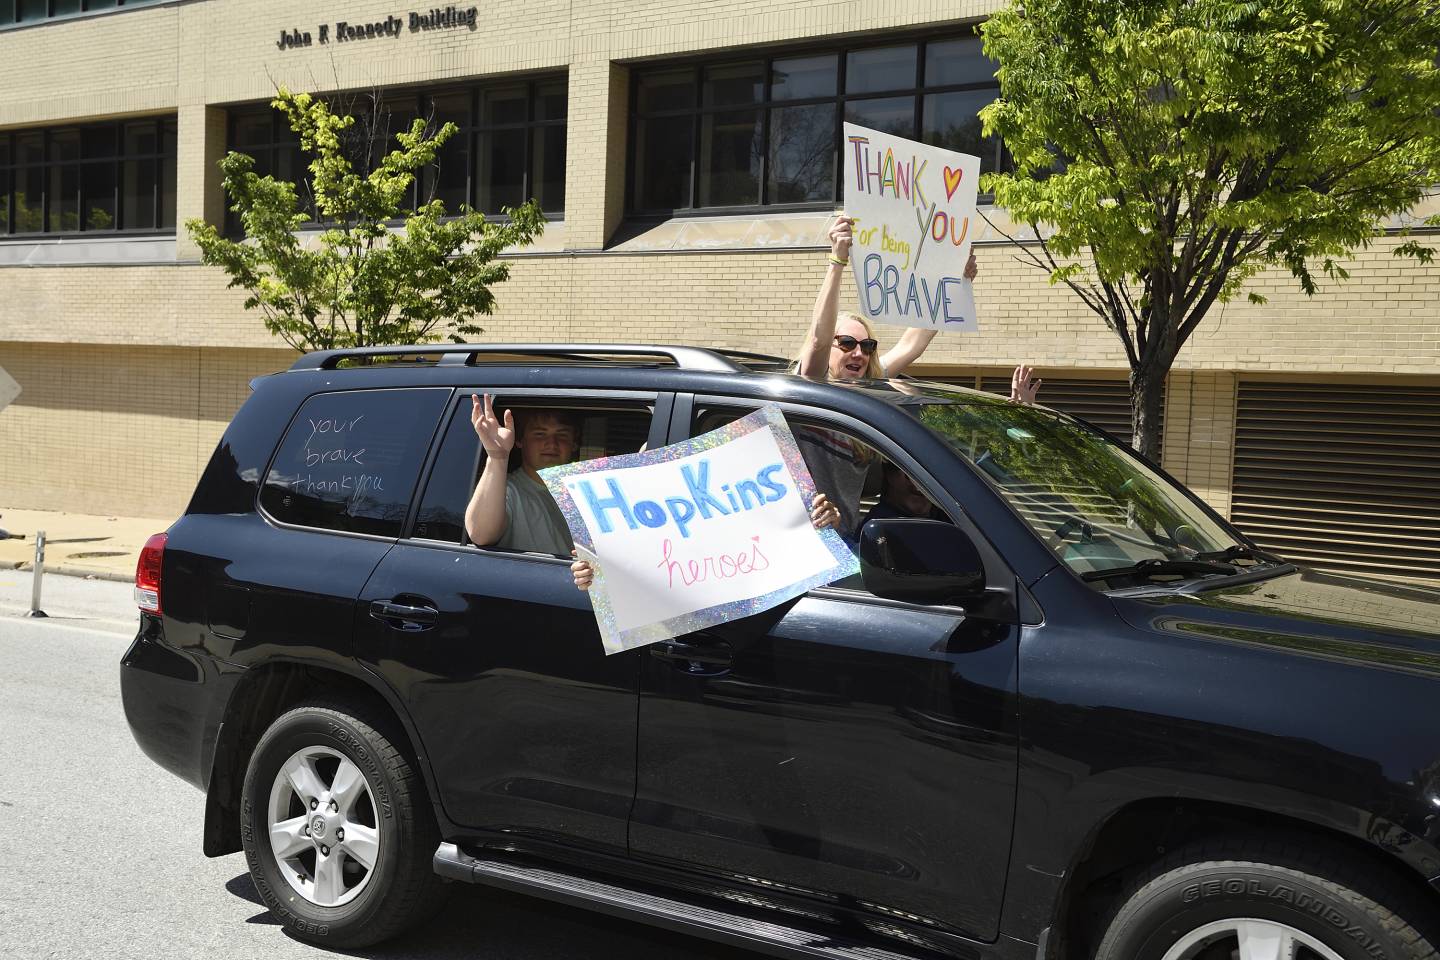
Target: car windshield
<point>1093,502</point>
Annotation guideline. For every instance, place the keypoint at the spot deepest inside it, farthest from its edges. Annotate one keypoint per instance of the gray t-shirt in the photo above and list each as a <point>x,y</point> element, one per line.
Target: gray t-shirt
<point>839,467</point>
<point>534,522</point>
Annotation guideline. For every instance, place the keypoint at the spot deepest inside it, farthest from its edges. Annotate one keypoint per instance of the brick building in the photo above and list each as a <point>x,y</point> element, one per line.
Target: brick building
<point>685,152</point>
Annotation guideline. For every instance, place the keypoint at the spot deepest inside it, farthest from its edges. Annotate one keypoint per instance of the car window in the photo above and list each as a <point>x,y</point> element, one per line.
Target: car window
<point>349,460</point>
<point>860,480</point>
<point>600,430</point>
<point>1092,502</point>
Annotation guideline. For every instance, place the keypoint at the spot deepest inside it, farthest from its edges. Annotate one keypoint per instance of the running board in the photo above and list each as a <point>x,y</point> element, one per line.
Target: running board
<point>735,930</point>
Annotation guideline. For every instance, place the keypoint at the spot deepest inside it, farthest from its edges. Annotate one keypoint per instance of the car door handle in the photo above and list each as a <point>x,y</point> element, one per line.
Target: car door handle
<point>403,616</point>
<point>696,658</point>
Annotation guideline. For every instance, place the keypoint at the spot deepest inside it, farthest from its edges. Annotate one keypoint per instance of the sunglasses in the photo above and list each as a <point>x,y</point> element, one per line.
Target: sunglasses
<point>847,343</point>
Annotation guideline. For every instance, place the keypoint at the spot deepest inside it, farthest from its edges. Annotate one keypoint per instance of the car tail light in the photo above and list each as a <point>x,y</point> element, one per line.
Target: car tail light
<point>147,573</point>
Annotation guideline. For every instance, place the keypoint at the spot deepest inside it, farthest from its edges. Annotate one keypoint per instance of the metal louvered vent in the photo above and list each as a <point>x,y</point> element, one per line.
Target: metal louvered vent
<point>1343,477</point>
<point>1101,403</point>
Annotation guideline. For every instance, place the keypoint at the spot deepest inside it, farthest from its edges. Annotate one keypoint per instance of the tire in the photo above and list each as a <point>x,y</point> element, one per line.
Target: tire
<point>1265,900</point>
<point>325,885</point>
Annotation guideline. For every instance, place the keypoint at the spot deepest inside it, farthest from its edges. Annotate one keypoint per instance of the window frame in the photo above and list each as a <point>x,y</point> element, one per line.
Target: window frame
<point>422,472</point>
<point>766,105</point>
<point>86,10</point>
<point>282,139</point>
<point>661,423</point>
<point>997,570</point>
<point>167,172</point>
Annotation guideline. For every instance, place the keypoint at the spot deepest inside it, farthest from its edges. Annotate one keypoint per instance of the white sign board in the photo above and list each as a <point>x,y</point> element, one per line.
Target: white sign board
<point>914,211</point>
<point>9,389</point>
<point>697,533</point>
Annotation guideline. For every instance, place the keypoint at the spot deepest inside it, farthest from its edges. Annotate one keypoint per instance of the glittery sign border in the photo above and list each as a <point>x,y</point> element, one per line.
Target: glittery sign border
<point>768,417</point>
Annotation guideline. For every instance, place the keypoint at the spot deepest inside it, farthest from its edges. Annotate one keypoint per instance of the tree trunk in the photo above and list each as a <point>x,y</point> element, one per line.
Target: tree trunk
<point>1147,403</point>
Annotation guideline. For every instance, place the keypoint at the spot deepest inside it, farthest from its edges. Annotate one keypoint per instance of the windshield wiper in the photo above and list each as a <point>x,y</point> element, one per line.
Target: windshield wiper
<point>1155,566</point>
<point>1237,551</point>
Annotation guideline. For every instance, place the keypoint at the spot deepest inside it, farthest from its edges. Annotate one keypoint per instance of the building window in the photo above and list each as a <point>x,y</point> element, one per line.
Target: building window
<point>738,134</point>
<point>15,12</point>
<point>510,145</point>
<point>101,178</point>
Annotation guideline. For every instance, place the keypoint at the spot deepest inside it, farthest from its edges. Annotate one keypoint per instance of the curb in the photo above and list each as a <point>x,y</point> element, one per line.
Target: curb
<point>65,570</point>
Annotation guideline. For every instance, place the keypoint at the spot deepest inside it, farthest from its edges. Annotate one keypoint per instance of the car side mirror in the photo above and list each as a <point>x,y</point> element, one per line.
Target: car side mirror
<point>920,561</point>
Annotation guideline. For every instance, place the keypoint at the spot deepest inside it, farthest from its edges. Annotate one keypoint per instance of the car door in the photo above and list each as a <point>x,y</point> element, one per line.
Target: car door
<point>280,583</point>
<point>528,726</point>
<point>857,750</point>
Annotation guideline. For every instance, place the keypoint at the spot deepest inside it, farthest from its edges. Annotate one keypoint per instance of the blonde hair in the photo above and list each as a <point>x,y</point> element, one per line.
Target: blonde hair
<point>873,370</point>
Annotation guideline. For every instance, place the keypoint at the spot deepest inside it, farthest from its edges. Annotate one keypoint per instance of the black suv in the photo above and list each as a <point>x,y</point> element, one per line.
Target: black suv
<point>1072,712</point>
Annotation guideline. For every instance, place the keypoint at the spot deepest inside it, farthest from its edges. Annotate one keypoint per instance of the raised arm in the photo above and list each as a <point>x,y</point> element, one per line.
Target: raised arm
<point>907,350</point>
<point>485,519</point>
<point>1024,385</point>
<point>914,340</point>
<point>815,350</point>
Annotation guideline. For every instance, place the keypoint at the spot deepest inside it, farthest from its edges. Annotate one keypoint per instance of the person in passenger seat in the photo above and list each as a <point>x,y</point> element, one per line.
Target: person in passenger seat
<point>513,510</point>
<point>901,498</point>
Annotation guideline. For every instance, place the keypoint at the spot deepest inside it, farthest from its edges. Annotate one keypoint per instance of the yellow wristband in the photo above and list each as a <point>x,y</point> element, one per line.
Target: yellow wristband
<point>838,262</point>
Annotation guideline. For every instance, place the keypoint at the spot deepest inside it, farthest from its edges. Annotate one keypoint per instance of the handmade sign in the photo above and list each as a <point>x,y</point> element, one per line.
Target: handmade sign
<point>697,533</point>
<point>913,207</point>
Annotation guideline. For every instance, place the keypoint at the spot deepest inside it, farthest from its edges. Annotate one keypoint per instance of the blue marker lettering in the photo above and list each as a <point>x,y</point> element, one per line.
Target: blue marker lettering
<point>734,504</point>
<point>945,295</point>
<point>616,501</point>
<point>649,513</point>
<point>890,287</point>
<point>932,304</point>
<point>704,499</point>
<point>748,489</point>
<point>872,282</point>
<point>683,511</point>
<point>912,297</point>
<point>777,490</point>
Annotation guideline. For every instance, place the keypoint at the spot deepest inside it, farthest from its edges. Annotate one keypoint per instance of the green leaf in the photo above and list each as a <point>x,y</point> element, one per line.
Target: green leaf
<point>357,280</point>
<point>1170,150</point>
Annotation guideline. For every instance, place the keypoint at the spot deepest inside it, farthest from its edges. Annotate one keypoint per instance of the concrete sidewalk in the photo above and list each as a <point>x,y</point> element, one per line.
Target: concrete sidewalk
<point>77,544</point>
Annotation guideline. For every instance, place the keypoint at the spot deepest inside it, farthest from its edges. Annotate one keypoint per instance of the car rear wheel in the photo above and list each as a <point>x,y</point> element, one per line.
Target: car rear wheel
<point>336,828</point>
<point>1266,901</point>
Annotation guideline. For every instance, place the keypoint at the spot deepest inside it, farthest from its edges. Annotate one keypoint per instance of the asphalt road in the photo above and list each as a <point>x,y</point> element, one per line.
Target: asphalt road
<point>100,848</point>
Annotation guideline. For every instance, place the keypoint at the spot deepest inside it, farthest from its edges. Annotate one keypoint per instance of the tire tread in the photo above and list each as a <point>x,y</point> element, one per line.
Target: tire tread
<point>1360,882</point>
<point>418,890</point>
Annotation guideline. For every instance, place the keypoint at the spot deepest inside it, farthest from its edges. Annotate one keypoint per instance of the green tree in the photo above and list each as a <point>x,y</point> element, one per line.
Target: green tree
<point>1167,150</point>
<point>358,282</point>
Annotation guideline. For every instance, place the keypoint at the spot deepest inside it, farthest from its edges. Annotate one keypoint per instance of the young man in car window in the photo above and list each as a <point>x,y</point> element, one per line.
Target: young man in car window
<point>514,510</point>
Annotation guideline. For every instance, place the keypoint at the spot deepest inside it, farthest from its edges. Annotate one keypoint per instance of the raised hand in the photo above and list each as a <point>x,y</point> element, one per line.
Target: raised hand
<point>823,513</point>
<point>1024,385</point>
<point>840,236</point>
<point>498,439</point>
<point>971,268</point>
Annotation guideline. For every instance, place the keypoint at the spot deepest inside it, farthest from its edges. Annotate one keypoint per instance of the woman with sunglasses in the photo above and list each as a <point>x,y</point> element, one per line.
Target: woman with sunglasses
<point>843,346</point>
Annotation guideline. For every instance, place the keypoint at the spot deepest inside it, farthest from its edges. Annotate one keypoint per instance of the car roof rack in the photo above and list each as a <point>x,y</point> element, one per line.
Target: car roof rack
<point>453,354</point>
<point>743,355</point>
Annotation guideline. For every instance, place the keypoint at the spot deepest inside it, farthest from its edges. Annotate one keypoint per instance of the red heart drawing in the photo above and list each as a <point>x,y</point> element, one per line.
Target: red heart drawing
<point>952,180</point>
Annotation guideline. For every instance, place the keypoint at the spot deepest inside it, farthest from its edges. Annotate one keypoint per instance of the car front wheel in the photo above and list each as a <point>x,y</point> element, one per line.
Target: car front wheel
<point>1266,901</point>
<point>337,830</point>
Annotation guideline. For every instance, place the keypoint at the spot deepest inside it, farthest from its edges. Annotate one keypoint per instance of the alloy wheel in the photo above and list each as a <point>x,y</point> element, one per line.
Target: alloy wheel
<point>323,828</point>
<point>1245,939</point>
